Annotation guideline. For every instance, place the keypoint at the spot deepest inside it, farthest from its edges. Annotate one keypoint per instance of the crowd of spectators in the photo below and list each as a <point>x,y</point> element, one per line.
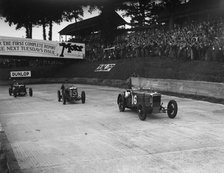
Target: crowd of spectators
<point>195,40</point>
<point>192,40</point>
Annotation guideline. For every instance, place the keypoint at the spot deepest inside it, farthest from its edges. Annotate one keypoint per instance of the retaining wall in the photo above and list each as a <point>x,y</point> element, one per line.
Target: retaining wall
<point>198,88</point>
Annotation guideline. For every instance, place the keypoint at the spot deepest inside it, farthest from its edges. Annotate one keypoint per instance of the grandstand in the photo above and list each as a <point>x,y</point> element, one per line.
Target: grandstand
<point>192,50</point>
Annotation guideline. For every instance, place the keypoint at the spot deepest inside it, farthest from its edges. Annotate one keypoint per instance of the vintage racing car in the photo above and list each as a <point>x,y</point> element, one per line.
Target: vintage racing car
<point>19,89</point>
<point>145,101</point>
<point>69,93</point>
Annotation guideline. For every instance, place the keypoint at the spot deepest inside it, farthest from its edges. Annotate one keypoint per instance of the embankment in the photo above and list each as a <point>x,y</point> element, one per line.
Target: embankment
<point>201,78</point>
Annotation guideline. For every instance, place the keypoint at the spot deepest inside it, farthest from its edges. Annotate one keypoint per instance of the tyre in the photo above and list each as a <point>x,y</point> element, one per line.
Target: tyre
<point>59,96</point>
<point>120,102</point>
<point>172,109</point>
<point>30,92</point>
<point>141,112</point>
<point>83,97</point>
<point>14,93</point>
<point>63,98</point>
<point>10,91</point>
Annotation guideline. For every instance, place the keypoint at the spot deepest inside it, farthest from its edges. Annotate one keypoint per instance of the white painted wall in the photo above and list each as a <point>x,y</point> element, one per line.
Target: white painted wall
<point>201,88</point>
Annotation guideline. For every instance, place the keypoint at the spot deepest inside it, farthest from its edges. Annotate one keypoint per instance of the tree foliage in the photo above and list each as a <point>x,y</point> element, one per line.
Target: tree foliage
<point>167,8</point>
<point>29,13</point>
<point>139,11</point>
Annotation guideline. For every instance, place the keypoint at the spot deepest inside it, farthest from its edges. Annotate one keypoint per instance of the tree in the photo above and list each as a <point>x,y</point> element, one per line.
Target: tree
<point>19,14</point>
<point>49,16</point>
<point>29,13</point>
<point>168,8</point>
<point>139,11</point>
<point>63,13</point>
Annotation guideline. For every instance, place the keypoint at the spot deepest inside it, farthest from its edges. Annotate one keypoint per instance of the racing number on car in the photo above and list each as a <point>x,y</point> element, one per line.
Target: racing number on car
<point>134,100</point>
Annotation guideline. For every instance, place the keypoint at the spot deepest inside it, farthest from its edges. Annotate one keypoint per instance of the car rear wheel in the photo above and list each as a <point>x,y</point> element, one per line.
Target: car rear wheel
<point>172,109</point>
<point>30,92</point>
<point>59,96</point>
<point>141,112</point>
<point>120,102</point>
<point>83,97</point>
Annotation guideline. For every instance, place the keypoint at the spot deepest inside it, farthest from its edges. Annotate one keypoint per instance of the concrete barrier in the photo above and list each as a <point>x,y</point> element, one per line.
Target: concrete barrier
<point>198,88</point>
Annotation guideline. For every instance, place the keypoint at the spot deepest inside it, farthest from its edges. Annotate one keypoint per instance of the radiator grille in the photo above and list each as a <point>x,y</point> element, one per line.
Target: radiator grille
<point>156,101</point>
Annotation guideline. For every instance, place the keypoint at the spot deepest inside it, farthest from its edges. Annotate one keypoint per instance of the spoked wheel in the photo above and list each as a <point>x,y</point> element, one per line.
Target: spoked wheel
<point>172,109</point>
<point>141,112</point>
<point>30,92</point>
<point>59,96</point>
<point>83,97</point>
<point>121,104</point>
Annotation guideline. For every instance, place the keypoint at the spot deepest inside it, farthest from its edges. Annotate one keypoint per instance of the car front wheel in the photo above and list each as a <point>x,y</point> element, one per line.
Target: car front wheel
<point>63,98</point>
<point>172,109</point>
<point>30,92</point>
<point>141,112</point>
<point>83,97</point>
<point>10,91</point>
<point>59,96</point>
<point>121,104</point>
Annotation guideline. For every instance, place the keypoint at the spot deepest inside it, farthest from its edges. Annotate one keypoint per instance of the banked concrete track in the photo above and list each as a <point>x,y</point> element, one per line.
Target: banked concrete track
<point>46,136</point>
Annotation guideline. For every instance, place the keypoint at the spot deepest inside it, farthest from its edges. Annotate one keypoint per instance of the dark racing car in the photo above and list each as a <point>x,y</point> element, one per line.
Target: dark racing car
<point>69,93</point>
<point>19,89</point>
<point>145,102</point>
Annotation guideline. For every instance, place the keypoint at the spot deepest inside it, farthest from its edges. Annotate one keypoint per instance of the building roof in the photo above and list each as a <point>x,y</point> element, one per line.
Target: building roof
<point>89,25</point>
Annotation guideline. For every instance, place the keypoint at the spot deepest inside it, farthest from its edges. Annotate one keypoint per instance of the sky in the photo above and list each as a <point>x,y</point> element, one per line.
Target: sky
<point>10,31</point>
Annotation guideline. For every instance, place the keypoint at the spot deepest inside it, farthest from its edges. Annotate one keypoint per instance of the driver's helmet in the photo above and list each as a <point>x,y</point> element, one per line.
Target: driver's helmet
<point>127,93</point>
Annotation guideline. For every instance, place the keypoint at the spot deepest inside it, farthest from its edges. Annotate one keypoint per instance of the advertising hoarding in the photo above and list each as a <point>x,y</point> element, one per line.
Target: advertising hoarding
<point>14,74</point>
<point>41,48</point>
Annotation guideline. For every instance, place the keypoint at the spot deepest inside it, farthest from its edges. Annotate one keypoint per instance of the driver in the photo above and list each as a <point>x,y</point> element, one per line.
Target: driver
<point>127,93</point>
<point>13,83</point>
<point>63,88</point>
<point>63,85</point>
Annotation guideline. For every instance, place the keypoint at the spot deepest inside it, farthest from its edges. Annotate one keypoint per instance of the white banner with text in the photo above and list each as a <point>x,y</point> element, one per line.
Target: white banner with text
<point>20,74</point>
<point>41,48</point>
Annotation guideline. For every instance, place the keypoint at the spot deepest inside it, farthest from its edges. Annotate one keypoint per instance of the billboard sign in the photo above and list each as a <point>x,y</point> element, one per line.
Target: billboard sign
<point>41,48</point>
<point>14,74</point>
